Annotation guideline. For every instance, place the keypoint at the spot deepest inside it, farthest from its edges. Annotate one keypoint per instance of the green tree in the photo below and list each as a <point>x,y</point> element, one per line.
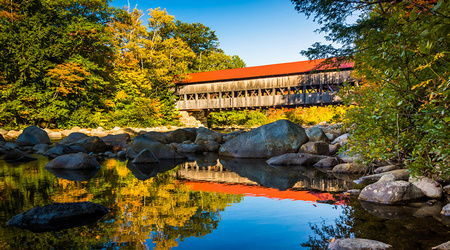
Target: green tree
<point>400,50</point>
<point>55,58</point>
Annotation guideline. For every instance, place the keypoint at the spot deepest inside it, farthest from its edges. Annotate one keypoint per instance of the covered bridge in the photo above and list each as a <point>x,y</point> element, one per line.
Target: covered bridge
<point>277,85</point>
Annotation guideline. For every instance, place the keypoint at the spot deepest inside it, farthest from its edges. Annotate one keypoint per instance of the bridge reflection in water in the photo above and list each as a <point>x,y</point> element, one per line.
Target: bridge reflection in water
<point>254,177</point>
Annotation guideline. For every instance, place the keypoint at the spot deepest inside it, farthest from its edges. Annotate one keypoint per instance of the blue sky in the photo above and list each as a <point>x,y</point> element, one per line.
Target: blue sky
<point>261,32</point>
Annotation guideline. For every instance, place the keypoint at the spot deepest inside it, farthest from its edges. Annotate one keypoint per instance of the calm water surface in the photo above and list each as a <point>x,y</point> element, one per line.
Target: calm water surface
<point>207,203</point>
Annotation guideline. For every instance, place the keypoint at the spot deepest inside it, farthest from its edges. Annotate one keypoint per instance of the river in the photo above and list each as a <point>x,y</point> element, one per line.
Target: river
<point>207,203</point>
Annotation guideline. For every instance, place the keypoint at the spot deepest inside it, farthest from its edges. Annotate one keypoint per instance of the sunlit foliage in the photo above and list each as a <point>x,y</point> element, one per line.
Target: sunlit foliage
<point>401,54</point>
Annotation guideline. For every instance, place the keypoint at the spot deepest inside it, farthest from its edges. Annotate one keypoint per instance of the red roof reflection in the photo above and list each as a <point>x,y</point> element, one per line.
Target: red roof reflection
<point>259,191</point>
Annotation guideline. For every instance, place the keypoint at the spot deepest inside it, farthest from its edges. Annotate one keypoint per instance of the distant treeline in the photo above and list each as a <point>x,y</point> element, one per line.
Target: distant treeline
<point>67,63</point>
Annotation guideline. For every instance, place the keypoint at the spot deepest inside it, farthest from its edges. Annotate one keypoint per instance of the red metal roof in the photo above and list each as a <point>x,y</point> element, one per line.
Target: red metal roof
<point>259,71</point>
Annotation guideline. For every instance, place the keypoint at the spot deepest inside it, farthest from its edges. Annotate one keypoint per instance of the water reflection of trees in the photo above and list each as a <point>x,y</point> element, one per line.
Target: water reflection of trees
<point>159,209</point>
<point>402,232</point>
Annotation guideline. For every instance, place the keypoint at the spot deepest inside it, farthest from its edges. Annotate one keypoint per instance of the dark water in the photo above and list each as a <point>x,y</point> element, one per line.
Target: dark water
<point>208,203</point>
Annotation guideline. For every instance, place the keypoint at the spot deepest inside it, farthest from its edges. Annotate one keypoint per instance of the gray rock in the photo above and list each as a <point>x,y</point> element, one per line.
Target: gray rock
<point>429,187</point>
<point>58,216</point>
<point>295,159</point>
<point>18,156</point>
<point>190,148</point>
<point>394,192</point>
<point>315,148</point>
<point>157,136</point>
<point>334,148</point>
<point>400,174</point>
<point>204,134</point>
<point>116,138</point>
<point>2,139</point>
<point>387,168</point>
<point>27,140</point>
<point>10,145</point>
<point>41,148</point>
<point>270,140</point>
<point>341,140</point>
<point>31,136</point>
<point>443,246</point>
<point>145,156</point>
<point>316,134</point>
<point>446,210</point>
<point>74,161</point>
<point>73,137</point>
<point>353,192</point>
<point>232,135</point>
<point>328,162</point>
<point>59,150</point>
<point>209,145</point>
<point>91,144</point>
<point>350,168</point>
<point>357,244</point>
<point>121,154</point>
<point>160,150</point>
<point>180,135</point>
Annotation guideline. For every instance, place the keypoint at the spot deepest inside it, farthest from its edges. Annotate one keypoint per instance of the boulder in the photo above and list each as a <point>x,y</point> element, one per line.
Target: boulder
<point>334,148</point>
<point>353,192</point>
<point>74,175</point>
<point>55,135</point>
<point>91,144</point>
<point>350,168</point>
<point>121,154</point>
<point>400,174</point>
<point>341,140</point>
<point>429,187</point>
<point>428,210</point>
<point>232,135</point>
<point>208,145</point>
<point>2,139</point>
<point>446,210</point>
<point>12,135</point>
<point>357,244</point>
<point>443,246</point>
<point>270,140</point>
<point>316,134</point>
<point>74,161</point>
<point>18,156</point>
<point>160,150</point>
<point>10,145</point>
<point>157,136</point>
<point>391,192</point>
<point>328,162</point>
<point>315,148</point>
<point>73,137</point>
<point>58,216</point>
<point>295,159</point>
<point>190,148</point>
<point>27,140</point>
<point>387,168</point>
<point>31,136</point>
<point>204,134</point>
<point>180,136</point>
<point>116,138</point>
<point>59,150</point>
<point>145,156</point>
<point>41,148</point>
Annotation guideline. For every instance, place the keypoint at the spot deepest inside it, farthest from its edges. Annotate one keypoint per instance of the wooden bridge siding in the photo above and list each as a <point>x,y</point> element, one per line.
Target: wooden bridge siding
<point>318,84</point>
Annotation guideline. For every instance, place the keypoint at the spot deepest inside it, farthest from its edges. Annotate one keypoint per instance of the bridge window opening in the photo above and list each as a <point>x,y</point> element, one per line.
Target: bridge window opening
<point>214,95</point>
<point>181,97</point>
<point>267,92</point>
<point>281,91</point>
<point>226,94</point>
<point>239,94</point>
<point>253,93</point>
<point>190,97</point>
<point>202,96</point>
<point>296,90</point>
